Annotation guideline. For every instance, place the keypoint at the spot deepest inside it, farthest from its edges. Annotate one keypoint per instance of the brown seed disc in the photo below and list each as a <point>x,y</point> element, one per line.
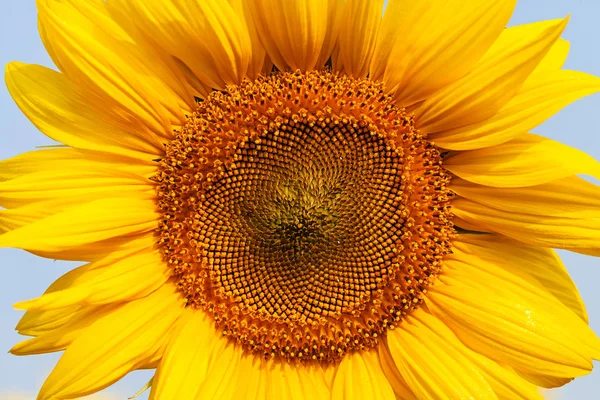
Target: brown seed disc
<point>304,212</point>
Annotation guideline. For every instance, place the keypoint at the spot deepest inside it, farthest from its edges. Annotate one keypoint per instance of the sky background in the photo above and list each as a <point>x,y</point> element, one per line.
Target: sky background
<point>25,276</point>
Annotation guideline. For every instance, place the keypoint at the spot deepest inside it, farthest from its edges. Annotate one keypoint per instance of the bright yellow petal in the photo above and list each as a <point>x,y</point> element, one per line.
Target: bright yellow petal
<point>510,319</point>
<point>94,51</point>
<point>542,96</point>
<point>561,214</point>
<point>553,60</point>
<point>251,379</point>
<point>130,278</point>
<point>525,161</point>
<point>296,382</point>
<point>360,376</point>
<point>433,367</point>
<point>259,62</point>
<point>489,86</point>
<point>357,37</point>
<point>184,365</point>
<point>36,323</point>
<point>335,13</point>
<point>545,381</point>
<point>62,335</point>
<point>114,345</point>
<point>391,372</point>
<point>293,32</point>
<point>75,116</point>
<point>504,382</point>
<point>71,180</point>
<point>14,219</point>
<point>86,224</point>
<point>571,197</point>
<point>63,157</point>
<point>211,37</point>
<point>426,45</point>
<point>221,380</point>
<point>541,263</point>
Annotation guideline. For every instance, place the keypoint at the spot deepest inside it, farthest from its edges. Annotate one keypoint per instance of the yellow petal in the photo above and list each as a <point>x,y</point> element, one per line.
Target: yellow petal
<point>33,323</point>
<point>221,379</point>
<point>259,62</point>
<point>75,116</point>
<point>357,36</point>
<point>128,279</point>
<point>510,319</point>
<point>86,224</point>
<point>184,365</point>
<point>463,225</point>
<point>363,367</point>
<point>335,13</point>
<point>293,32</point>
<point>489,86</point>
<point>545,381</point>
<point>211,37</point>
<point>96,52</point>
<point>13,219</point>
<point>251,379</point>
<point>525,161</point>
<point>561,214</point>
<point>426,45</point>
<point>542,95</point>
<point>555,57</point>
<point>36,323</point>
<point>433,367</point>
<point>114,345</point>
<point>62,336</point>
<point>391,372</point>
<point>504,382</point>
<point>541,263</point>
<point>16,218</point>
<point>571,197</point>
<point>74,182</point>
<point>296,382</point>
<point>41,159</point>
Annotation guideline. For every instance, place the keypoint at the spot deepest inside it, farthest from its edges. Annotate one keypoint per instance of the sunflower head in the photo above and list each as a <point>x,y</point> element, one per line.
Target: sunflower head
<point>303,199</point>
<point>304,212</point>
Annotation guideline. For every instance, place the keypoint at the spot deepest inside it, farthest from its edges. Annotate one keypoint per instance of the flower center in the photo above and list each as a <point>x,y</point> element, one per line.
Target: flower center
<point>303,212</point>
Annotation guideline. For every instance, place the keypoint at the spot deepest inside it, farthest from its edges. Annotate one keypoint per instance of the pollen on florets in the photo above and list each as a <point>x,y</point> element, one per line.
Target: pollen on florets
<point>304,212</point>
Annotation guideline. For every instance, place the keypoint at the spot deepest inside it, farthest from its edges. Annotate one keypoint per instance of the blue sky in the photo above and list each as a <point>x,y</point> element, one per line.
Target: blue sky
<point>25,276</point>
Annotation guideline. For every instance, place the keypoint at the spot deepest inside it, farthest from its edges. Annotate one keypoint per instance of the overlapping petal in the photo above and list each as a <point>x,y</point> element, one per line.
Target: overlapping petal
<point>294,32</point>
<point>490,84</point>
<point>540,97</point>
<point>517,163</point>
<point>75,116</point>
<point>432,367</point>
<point>61,335</point>
<point>86,224</point>
<point>130,278</point>
<point>561,214</point>
<point>358,35</point>
<point>114,345</point>
<point>423,46</point>
<point>510,319</point>
<point>94,51</point>
<point>211,38</point>
<point>541,263</point>
<point>366,368</point>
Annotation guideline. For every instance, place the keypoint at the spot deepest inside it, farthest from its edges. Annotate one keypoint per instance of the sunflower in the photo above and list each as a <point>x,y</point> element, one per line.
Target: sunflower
<point>303,199</point>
